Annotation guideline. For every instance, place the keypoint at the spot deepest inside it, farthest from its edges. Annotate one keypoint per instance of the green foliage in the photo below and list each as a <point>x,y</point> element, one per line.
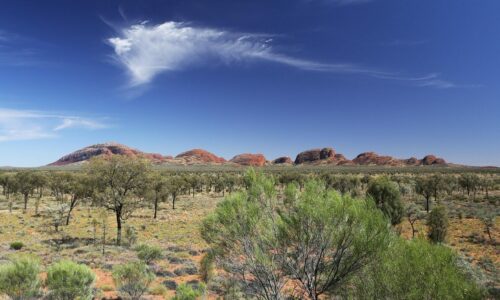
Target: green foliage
<point>415,270</point>
<point>19,278</point>
<point>387,197</point>
<point>132,279</point>
<point>438,224</point>
<point>148,253</point>
<point>16,245</point>
<point>67,280</point>
<point>274,241</point>
<point>187,292</point>
<point>130,235</point>
<point>207,268</point>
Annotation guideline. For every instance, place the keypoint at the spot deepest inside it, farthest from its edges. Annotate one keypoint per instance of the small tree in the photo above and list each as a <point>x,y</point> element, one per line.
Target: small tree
<point>119,185</point>
<point>438,224</point>
<point>424,187</point>
<point>57,213</point>
<point>67,280</point>
<point>132,279</point>
<point>488,220</point>
<point>387,197</point>
<point>413,214</point>
<point>19,278</point>
<point>26,184</point>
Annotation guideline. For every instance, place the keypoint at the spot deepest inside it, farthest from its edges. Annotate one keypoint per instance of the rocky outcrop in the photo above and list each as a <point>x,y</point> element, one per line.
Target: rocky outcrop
<point>200,156</point>
<point>430,160</point>
<point>283,160</point>
<point>314,155</point>
<point>372,158</point>
<point>248,159</point>
<point>106,150</point>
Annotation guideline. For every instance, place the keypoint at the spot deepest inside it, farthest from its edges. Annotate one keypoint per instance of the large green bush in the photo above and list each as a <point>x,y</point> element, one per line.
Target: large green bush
<point>132,279</point>
<point>438,224</point>
<point>416,270</point>
<point>19,278</point>
<point>317,237</point>
<point>67,280</point>
<point>386,195</point>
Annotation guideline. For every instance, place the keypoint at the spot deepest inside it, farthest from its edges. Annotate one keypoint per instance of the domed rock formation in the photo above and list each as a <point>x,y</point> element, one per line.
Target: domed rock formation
<point>283,160</point>
<point>314,155</point>
<point>106,150</point>
<point>372,158</point>
<point>248,159</point>
<point>429,160</point>
<point>201,156</point>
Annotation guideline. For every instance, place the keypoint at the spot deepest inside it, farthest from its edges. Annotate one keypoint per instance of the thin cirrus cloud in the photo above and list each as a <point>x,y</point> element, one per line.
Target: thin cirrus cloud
<point>145,51</point>
<point>18,125</point>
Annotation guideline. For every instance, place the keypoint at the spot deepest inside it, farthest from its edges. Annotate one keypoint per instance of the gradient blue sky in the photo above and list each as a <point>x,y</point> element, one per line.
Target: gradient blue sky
<point>403,78</point>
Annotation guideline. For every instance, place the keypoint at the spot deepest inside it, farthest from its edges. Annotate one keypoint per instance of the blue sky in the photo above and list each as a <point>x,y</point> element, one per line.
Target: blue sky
<point>403,78</point>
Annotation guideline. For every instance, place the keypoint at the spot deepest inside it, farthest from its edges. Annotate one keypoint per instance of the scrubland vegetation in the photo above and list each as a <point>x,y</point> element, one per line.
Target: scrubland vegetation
<point>121,228</point>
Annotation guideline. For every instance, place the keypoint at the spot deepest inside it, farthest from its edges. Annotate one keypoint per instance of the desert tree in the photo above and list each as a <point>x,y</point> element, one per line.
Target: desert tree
<point>157,190</point>
<point>176,186</point>
<point>327,238</point>
<point>26,184</point>
<point>488,219</point>
<point>423,186</point>
<point>80,187</point>
<point>413,214</point>
<point>9,187</point>
<point>244,240</point>
<point>469,183</point>
<point>119,182</point>
<point>387,197</point>
<point>317,238</point>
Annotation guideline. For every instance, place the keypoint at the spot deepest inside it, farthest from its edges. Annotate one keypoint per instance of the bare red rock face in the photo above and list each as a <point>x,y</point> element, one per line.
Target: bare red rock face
<point>372,158</point>
<point>283,160</point>
<point>201,156</point>
<point>429,160</point>
<point>314,155</point>
<point>248,159</point>
<point>106,150</point>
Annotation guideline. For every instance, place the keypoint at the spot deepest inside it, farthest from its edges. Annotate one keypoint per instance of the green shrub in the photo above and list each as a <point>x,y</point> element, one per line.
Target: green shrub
<point>416,270</point>
<point>132,279</point>
<point>67,280</point>
<point>19,278</point>
<point>158,290</point>
<point>386,195</point>
<point>130,235</point>
<point>16,245</point>
<point>187,292</point>
<point>148,253</point>
<point>438,224</point>
<point>207,267</point>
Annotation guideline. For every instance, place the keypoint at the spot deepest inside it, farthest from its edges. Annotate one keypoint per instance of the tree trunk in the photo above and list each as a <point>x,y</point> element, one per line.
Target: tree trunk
<point>427,204</point>
<point>118,229</point>
<point>26,202</point>
<point>155,207</point>
<point>173,201</point>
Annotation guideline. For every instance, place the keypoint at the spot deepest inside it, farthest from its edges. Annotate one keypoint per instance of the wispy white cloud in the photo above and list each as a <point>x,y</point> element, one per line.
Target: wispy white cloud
<point>29,124</point>
<point>145,51</point>
<point>17,50</point>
